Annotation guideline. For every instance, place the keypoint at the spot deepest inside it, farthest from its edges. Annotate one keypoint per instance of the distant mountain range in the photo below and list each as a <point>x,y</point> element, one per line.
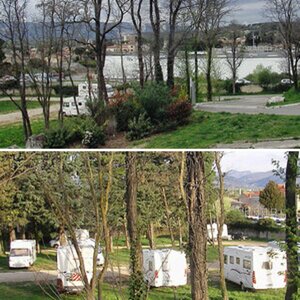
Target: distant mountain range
<point>248,179</point>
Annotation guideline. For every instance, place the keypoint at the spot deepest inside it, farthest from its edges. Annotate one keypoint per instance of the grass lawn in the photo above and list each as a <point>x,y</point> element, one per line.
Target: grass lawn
<point>44,261</point>
<point>8,107</point>
<point>26,291</point>
<point>207,129</point>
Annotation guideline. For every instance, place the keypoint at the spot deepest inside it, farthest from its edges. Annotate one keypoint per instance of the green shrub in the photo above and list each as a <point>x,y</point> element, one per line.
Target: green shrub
<point>58,137</point>
<point>139,128</point>
<point>66,90</point>
<point>179,111</point>
<point>94,138</point>
<point>227,86</point>
<point>125,110</point>
<point>154,98</point>
<point>235,216</point>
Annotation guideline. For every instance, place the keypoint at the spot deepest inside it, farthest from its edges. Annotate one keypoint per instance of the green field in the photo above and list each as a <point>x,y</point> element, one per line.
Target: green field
<point>29,291</point>
<point>8,106</point>
<point>208,129</point>
<point>204,131</point>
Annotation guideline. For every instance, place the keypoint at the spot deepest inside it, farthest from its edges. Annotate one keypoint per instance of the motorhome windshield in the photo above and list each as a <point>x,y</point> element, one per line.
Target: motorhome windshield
<point>19,252</point>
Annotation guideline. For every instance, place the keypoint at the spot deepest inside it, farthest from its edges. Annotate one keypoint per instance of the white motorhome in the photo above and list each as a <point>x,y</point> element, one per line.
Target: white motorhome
<point>22,253</point>
<point>255,267</point>
<point>165,267</point>
<point>85,92</point>
<point>69,277</point>
<point>212,232</point>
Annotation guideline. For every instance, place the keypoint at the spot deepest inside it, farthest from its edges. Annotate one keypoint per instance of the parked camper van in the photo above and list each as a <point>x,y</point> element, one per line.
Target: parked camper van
<point>22,253</point>
<point>164,267</point>
<point>212,232</point>
<point>255,267</point>
<point>85,92</point>
<point>69,277</point>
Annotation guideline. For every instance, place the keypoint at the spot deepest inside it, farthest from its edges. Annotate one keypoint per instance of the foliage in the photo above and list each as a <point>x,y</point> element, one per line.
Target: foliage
<point>264,76</point>
<point>125,109</point>
<point>235,216</point>
<point>227,86</point>
<point>94,138</point>
<point>65,90</point>
<point>179,111</point>
<point>58,137</point>
<point>271,196</point>
<point>154,98</point>
<point>139,128</point>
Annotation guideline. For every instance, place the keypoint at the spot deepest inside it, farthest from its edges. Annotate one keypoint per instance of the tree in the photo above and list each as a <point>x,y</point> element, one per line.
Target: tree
<point>156,26</point>
<point>215,12</point>
<point>285,13</point>
<point>137,287</point>
<point>14,30</point>
<point>234,53</point>
<point>196,204</point>
<point>220,224</point>
<point>293,273</point>
<point>271,196</point>
<point>2,54</point>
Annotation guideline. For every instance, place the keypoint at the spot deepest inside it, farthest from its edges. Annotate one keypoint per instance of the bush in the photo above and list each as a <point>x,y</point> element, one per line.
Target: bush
<point>179,111</point>
<point>227,86</point>
<point>94,138</point>
<point>235,216</point>
<point>58,137</point>
<point>125,109</point>
<point>154,98</point>
<point>139,128</point>
<point>66,90</point>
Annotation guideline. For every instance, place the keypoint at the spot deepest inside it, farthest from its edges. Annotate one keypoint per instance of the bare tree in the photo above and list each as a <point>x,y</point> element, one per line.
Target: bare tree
<point>14,30</point>
<point>196,204</point>
<point>220,223</point>
<point>156,27</point>
<point>285,12</point>
<point>215,11</point>
<point>293,273</point>
<point>137,20</point>
<point>234,53</point>
<point>101,18</point>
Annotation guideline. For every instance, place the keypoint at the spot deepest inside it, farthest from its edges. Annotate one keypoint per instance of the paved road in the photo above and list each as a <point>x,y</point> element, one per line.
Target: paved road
<point>15,117</point>
<point>249,105</point>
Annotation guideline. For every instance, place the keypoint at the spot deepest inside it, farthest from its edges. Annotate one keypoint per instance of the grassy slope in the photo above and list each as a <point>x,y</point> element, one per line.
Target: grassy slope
<point>207,129</point>
<point>32,292</point>
<point>8,107</point>
<point>291,97</point>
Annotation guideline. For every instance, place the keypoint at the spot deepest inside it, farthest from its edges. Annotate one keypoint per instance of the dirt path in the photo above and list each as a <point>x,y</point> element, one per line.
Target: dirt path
<point>16,117</point>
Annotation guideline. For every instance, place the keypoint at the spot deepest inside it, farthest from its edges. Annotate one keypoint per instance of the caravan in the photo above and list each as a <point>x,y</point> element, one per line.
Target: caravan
<point>165,267</point>
<point>22,253</point>
<point>85,92</point>
<point>69,277</point>
<point>212,232</point>
<point>255,267</point>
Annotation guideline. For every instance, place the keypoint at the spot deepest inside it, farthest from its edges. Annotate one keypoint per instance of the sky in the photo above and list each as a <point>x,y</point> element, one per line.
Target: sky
<point>252,160</point>
<point>247,11</point>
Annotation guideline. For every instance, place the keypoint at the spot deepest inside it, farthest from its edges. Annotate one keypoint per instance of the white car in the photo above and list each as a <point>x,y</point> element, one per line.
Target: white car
<point>243,81</point>
<point>287,81</point>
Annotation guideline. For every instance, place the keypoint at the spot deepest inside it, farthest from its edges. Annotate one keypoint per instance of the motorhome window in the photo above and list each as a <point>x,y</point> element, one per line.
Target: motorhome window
<point>66,104</point>
<point>247,264</point>
<point>238,261</point>
<point>231,259</point>
<point>165,266</point>
<point>84,87</point>
<point>73,103</point>
<point>267,265</point>
<point>150,265</point>
<point>225,259</point>
<point>19,252</point>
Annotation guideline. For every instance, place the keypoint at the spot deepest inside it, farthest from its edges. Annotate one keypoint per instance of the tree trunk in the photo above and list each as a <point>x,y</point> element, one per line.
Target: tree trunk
<point>170,69</point>
<point>220,224</point>
<point>169,223</point>
<point>151,235</point>
<point>140,59</point>
<point>136,276</point>
<point>196,74</point>
<point>195,191</point>
<point>208,73</point>
<point>187,72</point>
<point>12,233</point>
<point>293,275</point>
<point>126,234</point>
<point>180,233</point>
